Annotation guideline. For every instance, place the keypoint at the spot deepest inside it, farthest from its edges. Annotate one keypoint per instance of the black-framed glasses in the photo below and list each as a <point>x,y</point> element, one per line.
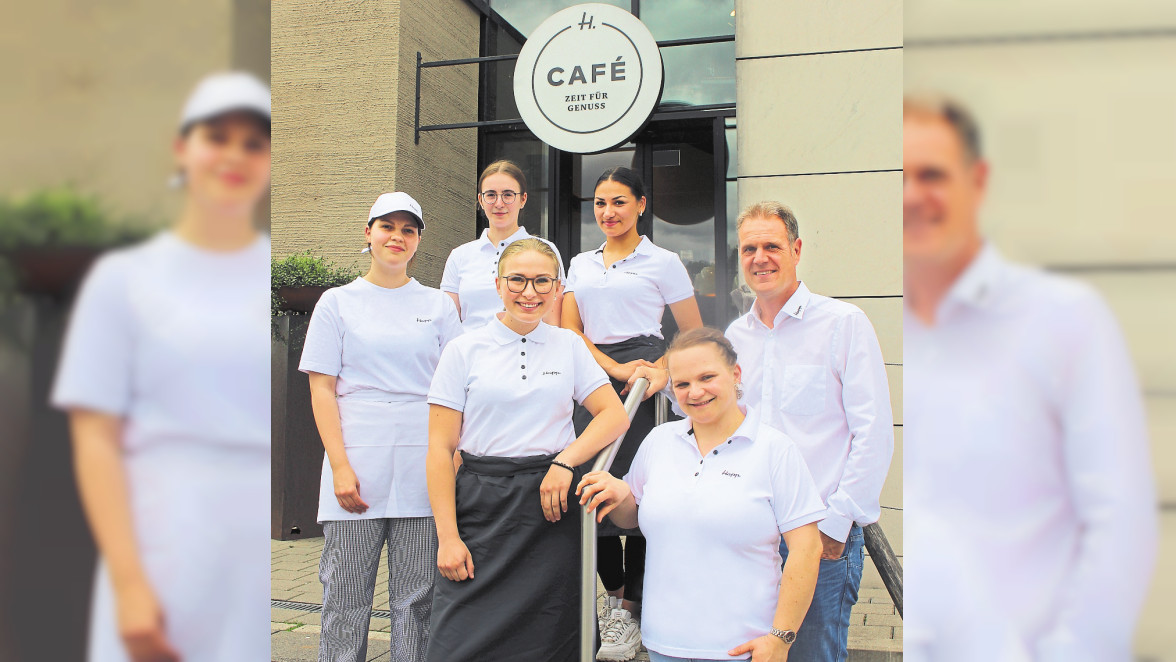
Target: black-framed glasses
<point>491,197</point>
<point>542,284</point>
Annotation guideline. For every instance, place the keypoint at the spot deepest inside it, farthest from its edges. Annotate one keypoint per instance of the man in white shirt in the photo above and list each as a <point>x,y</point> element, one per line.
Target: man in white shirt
<point>1024,429</point>
<point>813,367</point>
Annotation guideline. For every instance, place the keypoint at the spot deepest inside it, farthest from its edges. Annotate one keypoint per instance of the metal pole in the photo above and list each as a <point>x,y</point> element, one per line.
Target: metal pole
<point>886,561</point>
<point>604,460</point>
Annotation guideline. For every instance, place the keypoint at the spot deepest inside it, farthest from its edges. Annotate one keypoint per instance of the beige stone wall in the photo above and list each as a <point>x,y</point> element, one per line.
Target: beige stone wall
<point>93,91</point>
<point>344,79</point>
<point>819,94</point>
<point>1081,138</point>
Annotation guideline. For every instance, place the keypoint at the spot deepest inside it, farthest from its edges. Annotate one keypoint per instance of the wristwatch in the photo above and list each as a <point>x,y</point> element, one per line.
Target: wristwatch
<point>787,636</point>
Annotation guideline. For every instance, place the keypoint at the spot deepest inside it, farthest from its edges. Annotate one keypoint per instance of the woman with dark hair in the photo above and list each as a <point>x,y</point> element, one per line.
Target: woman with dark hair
<point>714,494</point>
<point>371,349</point>
<point>471,268</point>
<point>615,299</point>
<point>508,542</point>
<point>165,376</point>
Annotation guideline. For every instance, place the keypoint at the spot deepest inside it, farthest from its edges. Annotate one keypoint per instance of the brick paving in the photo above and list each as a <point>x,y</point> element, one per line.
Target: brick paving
<point>875,633</point>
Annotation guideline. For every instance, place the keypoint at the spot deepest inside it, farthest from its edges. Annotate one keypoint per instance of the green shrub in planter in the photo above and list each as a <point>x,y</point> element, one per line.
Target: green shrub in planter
<point>49,238</point>
<point>303,270</point>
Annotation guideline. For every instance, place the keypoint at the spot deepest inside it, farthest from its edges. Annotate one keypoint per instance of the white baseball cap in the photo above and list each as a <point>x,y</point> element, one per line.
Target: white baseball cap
<point>225,92</point>
<point>398,201</point>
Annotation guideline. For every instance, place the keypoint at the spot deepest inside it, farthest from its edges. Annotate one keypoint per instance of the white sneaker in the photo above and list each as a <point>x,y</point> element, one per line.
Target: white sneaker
<point>621,638</point>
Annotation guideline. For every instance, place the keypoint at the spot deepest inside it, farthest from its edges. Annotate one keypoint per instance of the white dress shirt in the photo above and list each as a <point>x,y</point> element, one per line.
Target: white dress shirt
<point>628,298</point>
<point>1024,421</point>
<point>515,392</point>
<point>470,271</point>
<point>818,376</point>
<point>713,525</point>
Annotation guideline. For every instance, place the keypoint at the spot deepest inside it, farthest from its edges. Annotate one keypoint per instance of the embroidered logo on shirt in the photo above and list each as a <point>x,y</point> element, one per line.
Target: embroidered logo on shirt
<point>728,473</point>
<point>423,321</point>
<point>551,372</point>
<point>632,273</point>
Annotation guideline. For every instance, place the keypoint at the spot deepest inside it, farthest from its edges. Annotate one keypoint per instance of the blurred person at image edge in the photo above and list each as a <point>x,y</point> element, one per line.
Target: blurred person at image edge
<point>1024,426</point>
<point>165,376</point>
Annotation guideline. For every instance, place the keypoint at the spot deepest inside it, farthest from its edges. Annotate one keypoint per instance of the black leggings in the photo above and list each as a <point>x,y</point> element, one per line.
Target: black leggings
<point>619,568</point>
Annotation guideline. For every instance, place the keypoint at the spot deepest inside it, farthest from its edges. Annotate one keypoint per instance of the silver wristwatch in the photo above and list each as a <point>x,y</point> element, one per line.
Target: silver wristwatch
<point>787,636</point>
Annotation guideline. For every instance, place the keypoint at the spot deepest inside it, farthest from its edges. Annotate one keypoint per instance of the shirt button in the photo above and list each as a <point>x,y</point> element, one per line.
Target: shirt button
<point>716,453</point>
<point>523,353</point>
<point>524,376</point>
<point>728,441</point>
<point>614,266</point>
<point>695,473</point>
<point>523,367</point>
<point>523,339</point>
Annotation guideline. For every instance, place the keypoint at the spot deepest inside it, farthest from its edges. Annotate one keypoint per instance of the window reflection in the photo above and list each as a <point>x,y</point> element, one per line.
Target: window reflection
<point>699,75</point>
<point>682,19</point>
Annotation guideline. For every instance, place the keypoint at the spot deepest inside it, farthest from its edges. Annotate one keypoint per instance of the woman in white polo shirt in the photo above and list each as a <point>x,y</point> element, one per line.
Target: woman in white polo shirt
<point>714,494</point>
<point>370,352</point>
<point>509,545</point>
<point>472,267</point>
<point>615,299</point>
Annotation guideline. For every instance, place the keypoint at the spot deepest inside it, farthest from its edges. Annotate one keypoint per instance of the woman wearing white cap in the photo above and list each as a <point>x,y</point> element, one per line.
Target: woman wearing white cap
<point>508,543</point>
<point>714,495</point>
<point>164,374</point>
<point>616,297</point>
<point>472,267</point>
<point>370,352</point>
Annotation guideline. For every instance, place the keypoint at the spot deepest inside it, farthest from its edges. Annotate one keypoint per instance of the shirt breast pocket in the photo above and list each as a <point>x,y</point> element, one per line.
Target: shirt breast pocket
<point>803,390</point>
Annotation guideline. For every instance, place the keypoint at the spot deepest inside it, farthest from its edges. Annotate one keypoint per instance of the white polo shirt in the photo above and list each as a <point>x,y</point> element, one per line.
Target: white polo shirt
<point>381,343</point>
<point>712,526</point>
<point>628,298</point>
<point>515,392</point>
<point>1025,420</point>
<point>470,271</point>
<point>818,375</point>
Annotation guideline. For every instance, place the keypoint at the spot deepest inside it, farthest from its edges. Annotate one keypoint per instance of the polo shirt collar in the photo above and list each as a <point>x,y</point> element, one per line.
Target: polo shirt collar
<point>503,335</point>
<point>644,247</point>
<point>521,233</point>
<point>794,307</point>
<point>746,430</point>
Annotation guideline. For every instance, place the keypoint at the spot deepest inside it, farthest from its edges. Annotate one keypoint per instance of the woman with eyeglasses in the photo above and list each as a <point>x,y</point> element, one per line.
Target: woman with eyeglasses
<point>508,540</point>
<point>371,349</point>
<point>615,299</point>
<point>165,376</point>
<point>472,267</point>
<point>714,494</point>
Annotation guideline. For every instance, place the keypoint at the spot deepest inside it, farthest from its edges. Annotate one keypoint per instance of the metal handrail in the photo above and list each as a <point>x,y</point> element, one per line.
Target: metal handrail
<point>886,561</point>
<point>603,461</point>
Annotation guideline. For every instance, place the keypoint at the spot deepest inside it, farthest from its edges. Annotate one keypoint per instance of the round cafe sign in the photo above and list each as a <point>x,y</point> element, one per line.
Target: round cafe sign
<point>588,78</point>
